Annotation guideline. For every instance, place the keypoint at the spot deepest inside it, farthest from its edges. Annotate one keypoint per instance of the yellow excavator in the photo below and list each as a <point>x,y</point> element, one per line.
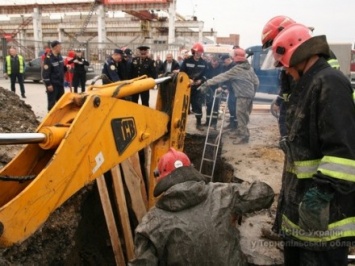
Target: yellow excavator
<point>80,139</point>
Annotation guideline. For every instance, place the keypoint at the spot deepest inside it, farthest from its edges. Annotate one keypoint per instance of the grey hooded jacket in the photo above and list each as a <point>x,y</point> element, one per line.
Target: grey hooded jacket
<point>194,222</point>
<point>242,79</point>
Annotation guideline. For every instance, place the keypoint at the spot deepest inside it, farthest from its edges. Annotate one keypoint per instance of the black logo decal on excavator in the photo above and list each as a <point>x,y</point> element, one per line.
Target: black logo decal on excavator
<point>124,131</point>
<point>182,126</point>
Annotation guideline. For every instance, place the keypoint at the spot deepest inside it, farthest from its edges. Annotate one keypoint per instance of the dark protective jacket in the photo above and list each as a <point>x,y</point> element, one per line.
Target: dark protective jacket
<point>242,78</point>
<point>53,70</point>
<point>110,69</point>
<point>79,64</point>
<point>194,223</point>
<point>321,153</point>
<point>287,83</point>
<point>212,72</point>
<point>143,66</point>
<point>195,70</point>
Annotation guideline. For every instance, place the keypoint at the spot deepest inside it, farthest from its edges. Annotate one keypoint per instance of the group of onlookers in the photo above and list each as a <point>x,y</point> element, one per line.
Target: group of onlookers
<point>124,64</point>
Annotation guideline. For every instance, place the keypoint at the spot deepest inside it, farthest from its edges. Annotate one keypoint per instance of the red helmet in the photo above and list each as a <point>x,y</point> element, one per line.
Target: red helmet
<point>272,29</point>
<point>197,47</point>
<point>239,55</point>
<point>170,161</point>
<point>287,42</point>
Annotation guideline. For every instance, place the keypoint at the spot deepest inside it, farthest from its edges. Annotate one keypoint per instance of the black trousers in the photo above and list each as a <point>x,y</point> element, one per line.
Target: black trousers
<point>79,79</point>
<point>54,96</point>
<point>232,107</point>
<point>212,113</point>
<point>144,98</point>
<point>295,256</point>
<point>196,103</point>
<point>19,78</point>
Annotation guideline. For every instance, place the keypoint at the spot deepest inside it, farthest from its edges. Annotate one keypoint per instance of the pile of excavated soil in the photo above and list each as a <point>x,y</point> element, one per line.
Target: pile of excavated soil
<point>15,117</point>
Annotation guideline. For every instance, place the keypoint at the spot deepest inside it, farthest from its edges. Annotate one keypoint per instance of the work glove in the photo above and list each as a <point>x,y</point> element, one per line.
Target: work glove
<point>6,76</point>
<point>314,210</point>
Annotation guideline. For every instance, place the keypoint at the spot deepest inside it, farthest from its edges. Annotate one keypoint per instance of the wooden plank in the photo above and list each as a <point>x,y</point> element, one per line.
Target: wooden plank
<point>110,221</point>
<point>136,189</point>
<point>148,162</point>
<point>136,167</point>
<point>123,211</point>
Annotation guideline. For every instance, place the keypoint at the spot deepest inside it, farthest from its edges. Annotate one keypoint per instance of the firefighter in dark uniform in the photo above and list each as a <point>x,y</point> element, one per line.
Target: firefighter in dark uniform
<point>111,66</point>
<point>315,216</point>
<point>143,65</point>
<point>196,67</point>
<point>53,74</point>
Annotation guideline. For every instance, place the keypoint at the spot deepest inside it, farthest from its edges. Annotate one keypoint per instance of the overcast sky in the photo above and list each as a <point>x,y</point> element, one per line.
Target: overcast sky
<point>336,19</point>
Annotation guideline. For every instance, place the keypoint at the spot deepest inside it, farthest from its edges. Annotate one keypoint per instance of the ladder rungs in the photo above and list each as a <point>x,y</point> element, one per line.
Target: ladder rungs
<point>211,144</point>
<point>208,160</point>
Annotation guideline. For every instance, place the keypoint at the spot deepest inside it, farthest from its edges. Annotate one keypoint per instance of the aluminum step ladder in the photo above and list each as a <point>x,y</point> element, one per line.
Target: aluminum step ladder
<point>213,138</point>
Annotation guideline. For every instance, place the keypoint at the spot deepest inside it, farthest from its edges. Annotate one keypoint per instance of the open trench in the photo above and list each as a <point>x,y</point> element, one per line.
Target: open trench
<point>76,233</point>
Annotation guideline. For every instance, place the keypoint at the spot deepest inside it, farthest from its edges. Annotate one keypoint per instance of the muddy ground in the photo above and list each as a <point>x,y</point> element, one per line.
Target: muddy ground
<point>76,233</point>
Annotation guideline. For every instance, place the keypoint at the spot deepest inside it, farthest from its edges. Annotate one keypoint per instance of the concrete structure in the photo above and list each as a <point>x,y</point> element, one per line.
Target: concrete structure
<point>99,26</point>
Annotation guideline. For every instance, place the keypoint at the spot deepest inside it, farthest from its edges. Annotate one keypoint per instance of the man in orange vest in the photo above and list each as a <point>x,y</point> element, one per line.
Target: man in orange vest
<point>14,68</point>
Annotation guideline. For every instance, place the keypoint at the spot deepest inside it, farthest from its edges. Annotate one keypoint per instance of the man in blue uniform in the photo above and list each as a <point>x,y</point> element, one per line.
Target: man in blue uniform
<point>111,66</point>
<point>53,74</point>
<point>143,65</point>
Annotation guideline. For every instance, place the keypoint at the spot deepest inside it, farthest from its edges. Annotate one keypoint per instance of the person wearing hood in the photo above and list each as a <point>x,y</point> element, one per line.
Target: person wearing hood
<point>244,83</point>
<point>194,221</point>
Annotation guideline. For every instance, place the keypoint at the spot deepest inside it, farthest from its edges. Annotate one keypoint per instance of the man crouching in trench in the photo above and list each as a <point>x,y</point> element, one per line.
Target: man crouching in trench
<point>194,222</point>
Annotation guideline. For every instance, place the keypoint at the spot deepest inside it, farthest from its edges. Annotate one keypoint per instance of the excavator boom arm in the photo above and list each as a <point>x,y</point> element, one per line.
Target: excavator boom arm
<point>85,136</point>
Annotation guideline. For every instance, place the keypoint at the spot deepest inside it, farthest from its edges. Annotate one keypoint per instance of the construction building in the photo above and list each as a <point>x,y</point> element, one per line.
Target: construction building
<point>98,26</point>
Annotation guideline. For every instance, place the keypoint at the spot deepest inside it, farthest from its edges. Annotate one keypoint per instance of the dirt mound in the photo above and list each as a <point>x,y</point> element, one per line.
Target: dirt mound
<point>15,117</point>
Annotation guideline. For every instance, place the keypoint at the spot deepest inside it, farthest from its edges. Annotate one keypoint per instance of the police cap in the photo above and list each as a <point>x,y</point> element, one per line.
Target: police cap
<point>128,51</point>
<point>143,48</point>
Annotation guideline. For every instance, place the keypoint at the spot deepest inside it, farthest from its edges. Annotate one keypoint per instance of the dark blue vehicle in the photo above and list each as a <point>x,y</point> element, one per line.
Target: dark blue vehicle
<point>261,61</point>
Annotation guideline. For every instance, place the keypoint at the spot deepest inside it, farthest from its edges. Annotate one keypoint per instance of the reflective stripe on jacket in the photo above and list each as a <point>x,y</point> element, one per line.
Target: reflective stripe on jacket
<point>335,167</point>
<point>21,63</point>
<point>334,63</point>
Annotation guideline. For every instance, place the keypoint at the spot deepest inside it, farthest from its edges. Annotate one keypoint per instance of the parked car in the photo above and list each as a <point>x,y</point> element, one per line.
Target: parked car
<point>33,71</point>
